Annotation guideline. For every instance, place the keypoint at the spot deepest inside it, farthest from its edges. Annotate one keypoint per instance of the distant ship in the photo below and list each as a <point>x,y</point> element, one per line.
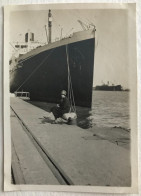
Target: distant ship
<point>106,87</point>
<point>44,70</point>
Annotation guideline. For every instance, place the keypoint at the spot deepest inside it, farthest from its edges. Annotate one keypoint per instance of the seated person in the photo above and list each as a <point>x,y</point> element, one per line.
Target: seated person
<point>61,108</point>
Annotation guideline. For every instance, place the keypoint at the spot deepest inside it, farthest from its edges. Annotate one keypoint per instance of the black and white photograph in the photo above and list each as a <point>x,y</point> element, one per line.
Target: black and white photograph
<point>70,97</point>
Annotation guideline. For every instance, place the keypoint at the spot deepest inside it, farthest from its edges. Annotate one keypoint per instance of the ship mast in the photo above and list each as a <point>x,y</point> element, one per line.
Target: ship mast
<point>49,26</point>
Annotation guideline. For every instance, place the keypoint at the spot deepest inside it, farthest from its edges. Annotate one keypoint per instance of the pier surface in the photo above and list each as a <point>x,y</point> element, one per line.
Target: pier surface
<point>45,153</point>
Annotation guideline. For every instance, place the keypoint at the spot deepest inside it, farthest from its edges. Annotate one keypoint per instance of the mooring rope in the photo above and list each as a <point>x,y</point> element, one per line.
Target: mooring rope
<point>73,101</point>
<point>21,61</point>
<point>70,88</point>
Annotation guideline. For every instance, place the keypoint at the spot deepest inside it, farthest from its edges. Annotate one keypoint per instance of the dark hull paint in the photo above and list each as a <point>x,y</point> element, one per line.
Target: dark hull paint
<point>46,74</point>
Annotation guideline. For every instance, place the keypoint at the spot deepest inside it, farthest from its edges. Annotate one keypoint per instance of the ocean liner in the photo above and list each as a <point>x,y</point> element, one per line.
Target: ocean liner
<point>45,70</point>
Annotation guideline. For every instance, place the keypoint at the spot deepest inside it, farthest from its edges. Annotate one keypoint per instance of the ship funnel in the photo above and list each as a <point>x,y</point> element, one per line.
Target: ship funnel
<point>49,26</point>
<point>29,37</point>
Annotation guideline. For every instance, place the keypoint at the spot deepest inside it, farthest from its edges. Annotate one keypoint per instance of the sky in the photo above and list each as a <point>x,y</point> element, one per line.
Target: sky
<point>111,45</point>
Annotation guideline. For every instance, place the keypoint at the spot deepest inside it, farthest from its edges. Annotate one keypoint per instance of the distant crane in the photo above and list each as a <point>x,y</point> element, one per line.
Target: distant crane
<point>86,26</point>
<point>83,25</point>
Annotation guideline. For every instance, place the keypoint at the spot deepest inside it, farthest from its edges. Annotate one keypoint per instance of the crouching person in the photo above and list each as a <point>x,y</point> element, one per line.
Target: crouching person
<point>62,108</point>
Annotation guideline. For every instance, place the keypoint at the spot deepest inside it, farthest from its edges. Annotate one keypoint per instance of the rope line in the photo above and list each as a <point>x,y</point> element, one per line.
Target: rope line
<point>21,61</point>
<point>35,70</point>
<point>69,84</point>
<point>70,88</point>
<point>69,95</point>
<point>74,108</point>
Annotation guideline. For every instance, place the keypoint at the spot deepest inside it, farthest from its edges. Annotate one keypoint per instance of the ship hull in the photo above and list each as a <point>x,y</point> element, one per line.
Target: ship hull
<point>45,75</point>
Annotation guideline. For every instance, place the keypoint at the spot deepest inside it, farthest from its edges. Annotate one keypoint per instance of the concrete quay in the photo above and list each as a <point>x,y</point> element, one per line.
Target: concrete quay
<point>27,172</point>
<point>83,157</point>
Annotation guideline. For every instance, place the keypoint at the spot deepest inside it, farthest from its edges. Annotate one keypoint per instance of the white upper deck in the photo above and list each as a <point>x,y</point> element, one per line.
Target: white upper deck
<point>75,37</point>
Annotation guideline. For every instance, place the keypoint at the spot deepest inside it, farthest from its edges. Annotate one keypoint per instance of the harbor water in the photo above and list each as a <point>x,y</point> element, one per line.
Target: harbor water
<point>109,109</point>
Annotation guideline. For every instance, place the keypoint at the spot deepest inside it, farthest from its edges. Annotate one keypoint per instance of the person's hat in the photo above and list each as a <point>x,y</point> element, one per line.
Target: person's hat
<point>63,92</point>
